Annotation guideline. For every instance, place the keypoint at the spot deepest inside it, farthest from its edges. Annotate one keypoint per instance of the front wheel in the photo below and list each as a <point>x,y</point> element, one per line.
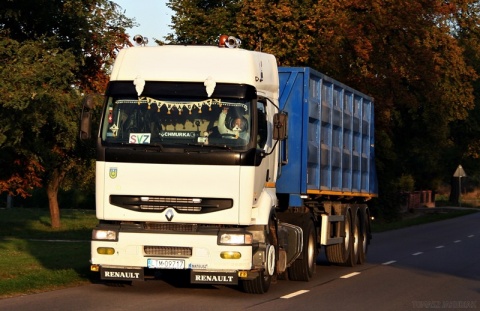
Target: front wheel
<point>304,267</point>
<point>261,283</point>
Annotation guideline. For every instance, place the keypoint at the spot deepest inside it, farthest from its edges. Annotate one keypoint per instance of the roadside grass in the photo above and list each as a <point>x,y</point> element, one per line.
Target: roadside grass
<point>420,217</point>
<point>36,258</point>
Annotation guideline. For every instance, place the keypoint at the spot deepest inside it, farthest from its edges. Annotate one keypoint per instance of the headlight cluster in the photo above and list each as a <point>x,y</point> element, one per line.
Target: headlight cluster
<point>228,238</point>
<point>104,235</point>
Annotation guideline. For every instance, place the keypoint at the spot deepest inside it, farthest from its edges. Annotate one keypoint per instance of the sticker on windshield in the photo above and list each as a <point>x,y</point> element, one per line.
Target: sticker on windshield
<point>139,138</point>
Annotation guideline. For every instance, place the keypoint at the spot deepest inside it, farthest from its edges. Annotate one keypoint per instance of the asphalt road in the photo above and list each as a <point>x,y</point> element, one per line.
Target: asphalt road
<point>432,266</point>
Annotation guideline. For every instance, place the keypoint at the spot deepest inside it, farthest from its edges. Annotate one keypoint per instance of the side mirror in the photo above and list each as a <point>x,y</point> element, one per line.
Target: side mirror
<point>280,121</point>
<point>86,118</point>
<point>86,125</point>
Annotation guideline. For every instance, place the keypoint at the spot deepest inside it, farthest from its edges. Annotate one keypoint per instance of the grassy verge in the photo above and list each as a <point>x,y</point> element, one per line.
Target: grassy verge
<point>419,218</point>
<point>35,258</point>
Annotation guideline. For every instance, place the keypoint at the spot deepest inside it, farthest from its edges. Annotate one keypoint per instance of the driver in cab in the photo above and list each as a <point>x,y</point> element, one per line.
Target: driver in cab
<point>233,125</point>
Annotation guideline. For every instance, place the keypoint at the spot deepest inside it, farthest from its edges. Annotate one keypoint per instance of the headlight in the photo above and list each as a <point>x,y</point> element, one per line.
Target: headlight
<point>105,235</point>
<point>235,238</point>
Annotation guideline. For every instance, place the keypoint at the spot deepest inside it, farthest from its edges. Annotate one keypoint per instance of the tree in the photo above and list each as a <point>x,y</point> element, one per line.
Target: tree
<point>38,110</point>
<point>93,30</point>
<point>465,133</point>
<point>52,52</point>
<point>201,21</point>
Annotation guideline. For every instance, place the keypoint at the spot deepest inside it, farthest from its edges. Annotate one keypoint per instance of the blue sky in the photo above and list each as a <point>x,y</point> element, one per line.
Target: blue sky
<point>153,17</point>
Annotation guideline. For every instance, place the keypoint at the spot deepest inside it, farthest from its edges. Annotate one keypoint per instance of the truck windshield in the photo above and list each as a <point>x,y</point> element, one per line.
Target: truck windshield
<point>180,121</point>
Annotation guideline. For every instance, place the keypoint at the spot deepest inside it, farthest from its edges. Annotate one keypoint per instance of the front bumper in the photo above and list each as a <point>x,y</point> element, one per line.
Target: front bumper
<point>134,252</point>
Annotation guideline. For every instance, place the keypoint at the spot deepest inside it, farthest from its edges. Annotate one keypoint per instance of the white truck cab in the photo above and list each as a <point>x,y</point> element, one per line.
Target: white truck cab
<point>186,163</point>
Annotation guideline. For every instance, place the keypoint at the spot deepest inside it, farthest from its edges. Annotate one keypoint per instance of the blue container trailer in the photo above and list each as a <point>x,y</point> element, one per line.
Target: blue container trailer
<point>328,166</point>
<point>330,146</point>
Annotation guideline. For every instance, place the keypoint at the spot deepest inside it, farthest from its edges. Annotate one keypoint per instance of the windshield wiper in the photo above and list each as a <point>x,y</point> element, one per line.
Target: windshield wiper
<point>138,146</point>
<point>221,147</point>
<point>155,145</point>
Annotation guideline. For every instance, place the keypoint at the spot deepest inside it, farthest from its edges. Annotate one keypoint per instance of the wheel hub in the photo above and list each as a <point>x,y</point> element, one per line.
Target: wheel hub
<point>270,263</point>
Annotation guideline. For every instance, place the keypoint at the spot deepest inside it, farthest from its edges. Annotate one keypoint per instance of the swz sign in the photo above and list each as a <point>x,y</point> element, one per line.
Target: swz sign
<point>139,138</point>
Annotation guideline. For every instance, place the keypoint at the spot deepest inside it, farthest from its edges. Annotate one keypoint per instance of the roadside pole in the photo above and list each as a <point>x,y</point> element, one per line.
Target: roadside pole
<point>459,173</point>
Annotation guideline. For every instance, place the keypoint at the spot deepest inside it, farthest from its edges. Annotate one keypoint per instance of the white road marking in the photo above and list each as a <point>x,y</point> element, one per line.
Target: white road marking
<point>349,275</point>
<point>389,262</point>
<point>471,236</point>
<point>457,241</point>
<point>303,291</point>
<point>416,254</point>
<point>440,246</point>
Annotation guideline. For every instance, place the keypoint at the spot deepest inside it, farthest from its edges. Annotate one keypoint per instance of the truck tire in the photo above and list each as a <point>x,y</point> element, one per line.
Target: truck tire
<point>357,240</point>
<point>304,267</point>
<point>261,283</point>
<point>364,235</point>
<point>342,253</point>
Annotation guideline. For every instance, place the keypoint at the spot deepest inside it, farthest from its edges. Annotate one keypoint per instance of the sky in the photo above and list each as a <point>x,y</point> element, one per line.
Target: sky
<point>152,16</point>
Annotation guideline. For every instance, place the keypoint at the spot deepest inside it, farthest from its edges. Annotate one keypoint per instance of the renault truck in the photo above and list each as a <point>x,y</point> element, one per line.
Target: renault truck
<point>214,162</point>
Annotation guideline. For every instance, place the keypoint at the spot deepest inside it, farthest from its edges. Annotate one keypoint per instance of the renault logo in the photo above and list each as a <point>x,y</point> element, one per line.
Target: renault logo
<point>169,215</point>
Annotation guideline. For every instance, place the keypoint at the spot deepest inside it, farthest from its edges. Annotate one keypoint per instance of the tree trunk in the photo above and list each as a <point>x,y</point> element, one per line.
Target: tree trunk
<point>52,193</point>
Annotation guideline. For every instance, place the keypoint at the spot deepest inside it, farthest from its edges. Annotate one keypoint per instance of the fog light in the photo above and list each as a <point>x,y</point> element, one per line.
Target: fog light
<point>242,274</point>
<point>230,255</point>
<point>94,268</point>
<point>106,250</point>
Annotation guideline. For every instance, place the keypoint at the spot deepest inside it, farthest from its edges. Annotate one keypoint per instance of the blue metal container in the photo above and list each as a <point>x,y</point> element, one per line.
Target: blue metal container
<point>330,146</point>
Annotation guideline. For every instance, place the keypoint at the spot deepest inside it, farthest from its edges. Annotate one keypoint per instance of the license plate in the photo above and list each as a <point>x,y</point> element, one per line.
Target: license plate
<point>166,264</point>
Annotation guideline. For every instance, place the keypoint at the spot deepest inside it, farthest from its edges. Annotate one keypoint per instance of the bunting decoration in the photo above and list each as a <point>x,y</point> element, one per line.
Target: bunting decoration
<point>179,106</point>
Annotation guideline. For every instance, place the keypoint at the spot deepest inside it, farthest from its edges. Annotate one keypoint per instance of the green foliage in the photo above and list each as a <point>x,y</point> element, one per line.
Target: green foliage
<point>93,30</point>
<point>406,183</point>
<point>37,100</point>
<point>52,52</point>
<point>200,21</point>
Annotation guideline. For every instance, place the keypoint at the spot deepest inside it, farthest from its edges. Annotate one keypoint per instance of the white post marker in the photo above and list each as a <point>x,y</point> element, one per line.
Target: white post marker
<point>459,173</point>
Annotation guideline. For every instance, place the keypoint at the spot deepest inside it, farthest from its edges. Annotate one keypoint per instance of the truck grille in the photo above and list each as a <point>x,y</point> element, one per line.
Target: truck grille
<point>167,251</point>
<point>171,227</point>
<point>180,204</point>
